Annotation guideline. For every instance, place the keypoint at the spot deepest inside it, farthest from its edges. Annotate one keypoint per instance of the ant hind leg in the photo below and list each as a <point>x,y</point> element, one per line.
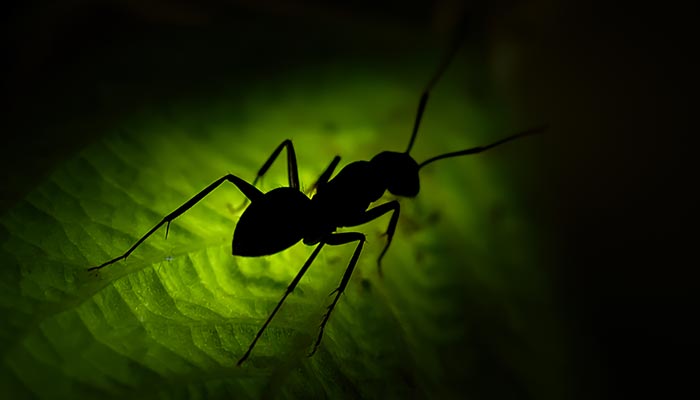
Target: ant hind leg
<point>292,169</point>
<point>246,188</point>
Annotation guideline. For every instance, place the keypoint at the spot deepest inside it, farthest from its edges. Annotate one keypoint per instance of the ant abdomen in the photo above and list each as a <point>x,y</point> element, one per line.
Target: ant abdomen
<point>272,223</point>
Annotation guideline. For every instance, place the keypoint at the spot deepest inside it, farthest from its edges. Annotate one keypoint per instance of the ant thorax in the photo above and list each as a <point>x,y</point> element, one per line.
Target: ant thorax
<point>349,193</point>
<point>357,183</point>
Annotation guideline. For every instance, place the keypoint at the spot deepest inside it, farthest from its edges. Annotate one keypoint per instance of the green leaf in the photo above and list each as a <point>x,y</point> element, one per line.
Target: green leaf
<point>462,306</point>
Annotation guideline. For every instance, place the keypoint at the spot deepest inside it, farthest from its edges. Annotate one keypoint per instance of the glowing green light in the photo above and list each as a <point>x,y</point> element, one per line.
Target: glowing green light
<point>184,307</point>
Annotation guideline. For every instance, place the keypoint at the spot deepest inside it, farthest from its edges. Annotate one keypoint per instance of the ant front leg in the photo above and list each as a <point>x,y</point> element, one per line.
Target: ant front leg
<point>376,212</point>
<point>292,170</point>
<point>246,188</point>
<point>335,240</point>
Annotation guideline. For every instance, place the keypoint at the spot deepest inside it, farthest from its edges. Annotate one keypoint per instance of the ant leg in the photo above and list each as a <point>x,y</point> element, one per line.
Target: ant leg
<point>325,176</point>
<point>292,171</point>
<point>377,212</point>
<point>334,240</point>
<point>290,288</point>
<point>246,188</point>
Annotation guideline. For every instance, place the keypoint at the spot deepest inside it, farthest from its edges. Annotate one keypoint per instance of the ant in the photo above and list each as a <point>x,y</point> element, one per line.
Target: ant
<point>282,217</point>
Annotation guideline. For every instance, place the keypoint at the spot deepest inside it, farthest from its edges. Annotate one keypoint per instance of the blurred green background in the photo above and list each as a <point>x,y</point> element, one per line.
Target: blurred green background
<point>526,272</point>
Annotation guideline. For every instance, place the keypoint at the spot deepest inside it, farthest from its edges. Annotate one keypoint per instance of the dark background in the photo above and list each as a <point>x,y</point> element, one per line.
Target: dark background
<point>614,81</point>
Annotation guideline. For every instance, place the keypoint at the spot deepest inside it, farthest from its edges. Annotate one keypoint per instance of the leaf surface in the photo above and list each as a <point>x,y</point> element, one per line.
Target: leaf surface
<point>452,313</point>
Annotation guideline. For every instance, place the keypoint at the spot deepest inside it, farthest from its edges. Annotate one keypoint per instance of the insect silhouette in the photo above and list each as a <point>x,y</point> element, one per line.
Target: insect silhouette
<point>280,218</point>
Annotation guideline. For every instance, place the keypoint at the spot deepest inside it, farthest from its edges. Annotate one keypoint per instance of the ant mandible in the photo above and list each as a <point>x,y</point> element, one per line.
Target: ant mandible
<point>282,217</point>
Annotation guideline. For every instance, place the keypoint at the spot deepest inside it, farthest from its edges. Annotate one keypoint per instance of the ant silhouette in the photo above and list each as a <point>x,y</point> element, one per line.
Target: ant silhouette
<point>282,217</point>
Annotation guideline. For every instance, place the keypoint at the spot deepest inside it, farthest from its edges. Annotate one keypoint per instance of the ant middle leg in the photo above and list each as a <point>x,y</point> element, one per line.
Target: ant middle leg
<point>246,188</point>
<point>324,178</point>
<point>336,239</point>
<point>292,169</point>
<point>289,290</point>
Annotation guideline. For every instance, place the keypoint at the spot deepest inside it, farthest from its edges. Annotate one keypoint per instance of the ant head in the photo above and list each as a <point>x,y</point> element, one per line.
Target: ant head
<point>399,172</point>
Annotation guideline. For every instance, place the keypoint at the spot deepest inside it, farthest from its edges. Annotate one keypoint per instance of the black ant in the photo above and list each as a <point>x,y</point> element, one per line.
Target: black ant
<point>282,217</point>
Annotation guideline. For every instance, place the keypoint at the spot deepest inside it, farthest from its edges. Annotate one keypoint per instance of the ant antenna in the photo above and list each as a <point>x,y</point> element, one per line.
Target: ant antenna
<point>479,149</point>
<point>454,46</point>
